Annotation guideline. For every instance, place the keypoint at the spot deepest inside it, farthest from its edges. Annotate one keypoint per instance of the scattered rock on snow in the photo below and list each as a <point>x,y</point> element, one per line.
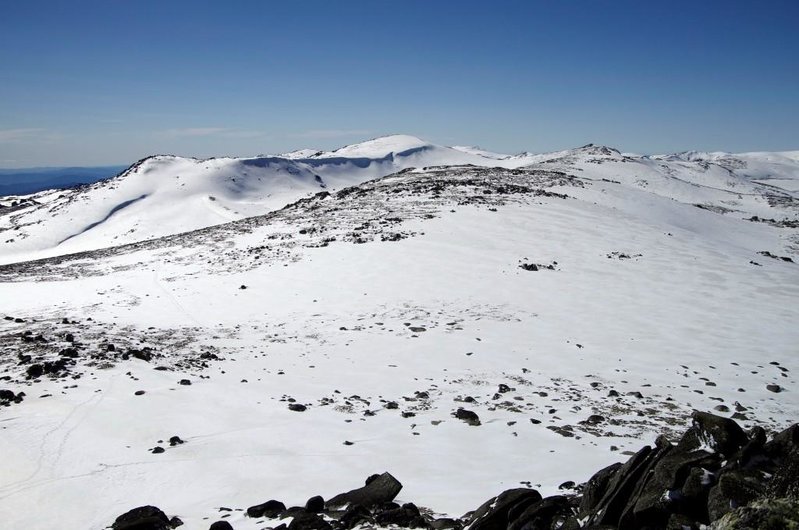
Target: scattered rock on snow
<point>270,509</point>
<point>467,416</point>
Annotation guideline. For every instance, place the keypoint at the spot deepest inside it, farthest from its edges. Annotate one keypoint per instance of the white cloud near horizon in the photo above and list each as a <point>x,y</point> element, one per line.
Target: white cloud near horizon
<point>226,132</point>
<point>329,133</point>
<point>194,131</point>
<point>11,135</point>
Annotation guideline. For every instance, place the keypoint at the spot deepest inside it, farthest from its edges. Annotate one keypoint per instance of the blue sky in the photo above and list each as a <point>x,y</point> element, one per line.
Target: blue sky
<point>105,82</point>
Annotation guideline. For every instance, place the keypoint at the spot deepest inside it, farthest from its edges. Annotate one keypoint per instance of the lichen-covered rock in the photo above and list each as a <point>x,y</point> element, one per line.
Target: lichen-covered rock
<point>767,514</point>
<point>735,488</point>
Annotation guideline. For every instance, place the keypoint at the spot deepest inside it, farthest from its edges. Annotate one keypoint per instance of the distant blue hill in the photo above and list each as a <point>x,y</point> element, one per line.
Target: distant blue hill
<point>31,180</point>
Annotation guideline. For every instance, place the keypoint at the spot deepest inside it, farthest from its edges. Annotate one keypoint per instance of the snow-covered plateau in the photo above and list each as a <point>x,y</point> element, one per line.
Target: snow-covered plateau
<point>302,321</point>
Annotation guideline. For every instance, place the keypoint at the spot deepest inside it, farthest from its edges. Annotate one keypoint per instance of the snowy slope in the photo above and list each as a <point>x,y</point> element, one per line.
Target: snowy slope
<point>404,290</point>
<point>165,195</point>
<point>158,196</point>
<point>377,147</point>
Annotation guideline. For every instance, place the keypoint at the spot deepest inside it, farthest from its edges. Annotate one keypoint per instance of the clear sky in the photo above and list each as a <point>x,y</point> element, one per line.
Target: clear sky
<point>111,81</point>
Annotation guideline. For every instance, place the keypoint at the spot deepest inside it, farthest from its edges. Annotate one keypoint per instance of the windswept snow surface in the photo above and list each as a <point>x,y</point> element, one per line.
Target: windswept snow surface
<point>670,277</point>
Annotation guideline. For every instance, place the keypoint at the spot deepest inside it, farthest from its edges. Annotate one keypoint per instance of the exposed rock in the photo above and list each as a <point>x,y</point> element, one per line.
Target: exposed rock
<point>596,488</point>
<point>220,525</point>
<point>308,521</point>
<point>713,433</point>
<point>710,477</point>
<point>142,518</point>
<point>493,514</point>
<point>766,514</point>
<point>379,490</point>
<point>735,489</point>
<point>468,416</point>
<point>354,515</point>
<point>270,509</point>
<point>315,504</point>
<point>405,516</point>
<point>35,371</point>
<point>551,512</point>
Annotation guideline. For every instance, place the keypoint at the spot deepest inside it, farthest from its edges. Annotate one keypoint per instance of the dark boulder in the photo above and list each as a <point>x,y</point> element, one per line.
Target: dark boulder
<point>405,516</point>
<point>379,490</point>
<point>596,488</point>
<point>546,514</point>
<point>784,483</point>
<point>308,521</point>
<point>142,518</point>
<point>493,514</point>
<point>35,371</point>
<point>315,504</point>
<point>783,443</point>
<point>735,488</point>
<point>662,492</point>
<point>713,433</point>
<point>220,525</point>
<point>468,416</point>
<point>355,515</point>
<point>624,487</point>
<point>72,353</point>
<point>270,509</point>
<point>446,523</point>
<point>7,397</point>
<point>144,354</point>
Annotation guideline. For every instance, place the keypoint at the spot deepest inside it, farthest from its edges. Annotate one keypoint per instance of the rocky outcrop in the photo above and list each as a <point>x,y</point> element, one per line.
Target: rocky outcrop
<point>716,476</point>
<point>378,490</point>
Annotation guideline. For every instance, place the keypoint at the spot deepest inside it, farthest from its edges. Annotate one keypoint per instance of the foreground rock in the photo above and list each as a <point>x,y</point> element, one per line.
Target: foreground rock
<point>378,490</point>
<point>716,476</point>
<point>143,518</point>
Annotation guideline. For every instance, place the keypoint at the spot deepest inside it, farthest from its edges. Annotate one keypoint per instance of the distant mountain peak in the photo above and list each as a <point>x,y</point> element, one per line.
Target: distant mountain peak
<point>599,150</point>
<point>380,146</point>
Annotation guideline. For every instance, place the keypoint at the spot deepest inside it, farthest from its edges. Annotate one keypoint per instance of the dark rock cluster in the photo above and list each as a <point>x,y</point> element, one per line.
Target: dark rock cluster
<point>61,349</point>
<point>717,476</point>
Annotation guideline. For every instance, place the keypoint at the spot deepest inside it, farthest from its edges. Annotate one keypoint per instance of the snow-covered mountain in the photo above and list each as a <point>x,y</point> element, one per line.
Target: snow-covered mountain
<point>164,195</point>
<point>578,302</point>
